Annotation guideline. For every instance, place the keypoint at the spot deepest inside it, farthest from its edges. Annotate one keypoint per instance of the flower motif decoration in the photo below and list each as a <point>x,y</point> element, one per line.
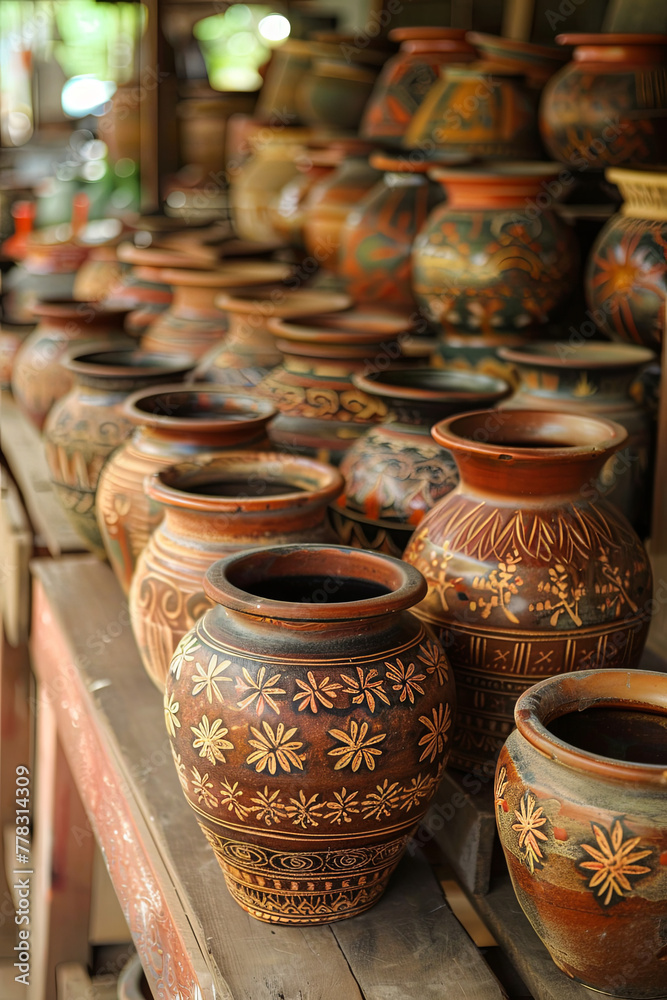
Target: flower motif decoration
<point>202,788</point>
<point>435,660</point>
<point>311,693</point>
<point>365,687</point>
<point>436,737</point>
<point>171,707</point>
<point>343,807</point>
<point>304,812</point>
<point>612,861</point>
<point>229,797</point>
<point>261,690</point>
<point>382,801</point>
<point>210,740</point>
<point>357,747</point>
<point>418,789</point>
<point>184,653</point>
<point>530,820</point>
<point>499,787</point>
<point>405,680</point>
<point>268,806</point>
<point>275,750</point>
<point>207,679</point>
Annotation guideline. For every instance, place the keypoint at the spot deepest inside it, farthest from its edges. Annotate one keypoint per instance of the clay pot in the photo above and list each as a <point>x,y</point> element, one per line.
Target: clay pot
<point>321,726</point>
<point>331,200</point>
<point>626,272</point>
<point>322,412</point>
<point>39,378</point>
<point>407,77</point>
<point>378,234</point>
<point>396,472</point>
<point>467,352</point>
<point>490,258</point>
<point>193,322</point>
<point>98,275</point>
<point>606,107</point>
<point>530,572</point>
<point>171,423</point>
<point>12,336</point>
<point>580,805</point>
<point>537,62</point>
<point>334,93</point>
<point>202,130</point>
<point>88,424</point>
<point>478,110</point>
<point>284,76</point>
<point>595,380</point>
<point>215,506</point>
<point>287,210</point>
<point>249,352</point>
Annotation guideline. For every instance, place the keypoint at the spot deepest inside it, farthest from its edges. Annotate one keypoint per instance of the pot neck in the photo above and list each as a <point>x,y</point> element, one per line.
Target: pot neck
<point>194,300</point>
<point>620,53</point>
<point>480,193</point>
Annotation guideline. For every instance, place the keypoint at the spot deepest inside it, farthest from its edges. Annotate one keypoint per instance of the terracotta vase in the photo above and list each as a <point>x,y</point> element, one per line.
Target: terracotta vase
<point>193,323</point>
<point>322,412</point>
<point>321,726</point>
<point>537,62</point>
<point>171,423</point>
<point>39,379</point>
<point>98,275</point>
<point>530,573</point>
<point>606,107</point>
<point>88,424</point>
<point>467,352</point>
<point>490,258</point>
<point>334,93</point>
<point>580,805</point>
<point>287,209</point>
<point>249,352</point>
<point>331,200</point>
<point>626,272</point>
<point>215,506</point>
<point>408,76</point>
<point>396,472</point>
<point>595,379</point>
<point>12,336</point>
<point>479,110</point>
<point>378,234</point>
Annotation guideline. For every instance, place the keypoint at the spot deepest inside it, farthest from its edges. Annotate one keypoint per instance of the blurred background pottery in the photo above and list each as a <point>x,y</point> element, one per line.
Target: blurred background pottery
<point>215,506</point>
<point>537,62</point>
<point>334,93</point>
<point>580,807</point>
<point>608,105</point>
<point>12,336</point>
<point>396,472</point>
<point>467,352</point>
<point>530,574</point>
<point>287,210</point>
<point>88,424</point>
<point>489,257</point>
<point>626,272</point>
<point>171,423</point>
<point>327,701</point>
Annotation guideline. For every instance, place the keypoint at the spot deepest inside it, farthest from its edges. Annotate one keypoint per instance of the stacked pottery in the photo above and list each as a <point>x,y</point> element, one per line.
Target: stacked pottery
<point>607,107</point>
<point>322,412</point>
<point>580,807</point>
<point>495,256</point>
<point>193,323</point>
<point>595,380</point>
<point>139,287</point>
<point>171,423</point>
<point>39,379</point>
<point>396,472</point>
<point>378,233</point>
<point>286,211</point>
<point>537,62</point>
<point>215,506</point>
<point>249,352</point>
<point>530,572</point>
<point>88,424</point>
<point>321,710</point>
<point>407,77</point>
<point>626,273</point>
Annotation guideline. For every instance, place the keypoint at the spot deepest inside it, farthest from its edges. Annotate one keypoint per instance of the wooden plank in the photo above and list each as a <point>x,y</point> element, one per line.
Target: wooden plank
<point>501,912</point>
<point>16,549</point>
<point>411,946</point>
<point>23,449</point>
<point>518,19</point>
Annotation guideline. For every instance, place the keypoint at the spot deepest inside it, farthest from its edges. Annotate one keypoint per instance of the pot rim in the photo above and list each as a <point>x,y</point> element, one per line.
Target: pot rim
<point>427,33</point>
<point>344,328</point>
<point>161,486</point>
<point>406,584</point>
<point>518,170</point>
<point>80,362</point>
<point>243,272</point>
<point>64,308</point>
<point>160,257</point>
<point>545,353</point>
<point>610,38</point>
<point>653,176</point>
<point>258,410</point>
<point>292,302</point>
<point>456,386</point>
<point>448,433</point>
<point>564,694</point>
<point>514,46</point>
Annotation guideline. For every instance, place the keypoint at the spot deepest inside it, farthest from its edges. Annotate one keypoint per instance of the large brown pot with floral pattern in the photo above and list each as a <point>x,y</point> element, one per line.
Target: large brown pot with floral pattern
<point>309,714</point>
<point>580,806</point>
<point>495,255</point>
<point>171,424</point>
<point>88,424</point>
<point>213,506</point>
<point>322,412</point>
<point>626,272</point>
<point>607,107</point>
<point>396,472</point>
<point>529,572</point>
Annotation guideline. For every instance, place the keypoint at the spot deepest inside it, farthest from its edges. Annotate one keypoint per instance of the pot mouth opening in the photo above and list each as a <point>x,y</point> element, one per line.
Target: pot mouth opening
<point>610,722</point>
<point>116,363</point>
<point>314,583</point>
<point>88,310</point>
<point>433,384</point>
<point>563,355</point>
<point>342,327</point>
<point>174,405</point>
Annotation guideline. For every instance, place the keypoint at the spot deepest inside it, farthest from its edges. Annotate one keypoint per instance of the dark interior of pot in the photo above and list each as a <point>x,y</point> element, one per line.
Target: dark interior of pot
<point>532,429</point>
<point>315,589</point>
<point>624,734</point>
<point>131,359</point>
<point>441,382</point>
<point>243,486</point>
<point>198,405</point>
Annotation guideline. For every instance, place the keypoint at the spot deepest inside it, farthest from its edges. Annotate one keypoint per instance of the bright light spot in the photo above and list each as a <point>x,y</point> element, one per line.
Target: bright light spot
<point>101,230</point>
<point>83,95</point>
<point>274,27</point>
<point>210,28</point>
<point>63,232</point>
<point>125,167</point>
<point>94,170</point>
<point>238,16</point>
<point>243,43</point>
<point>142,238</point>
<point>94,150</point>
<point>243,78</point>
<point>19,127</point>
<point>176,199</point>
<point>65,171</point>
